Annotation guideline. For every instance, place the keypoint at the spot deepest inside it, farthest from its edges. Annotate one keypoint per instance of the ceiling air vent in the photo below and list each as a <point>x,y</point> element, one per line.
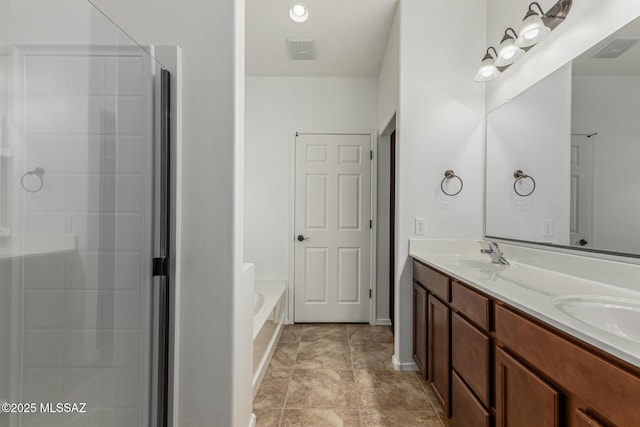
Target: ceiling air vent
<point>616,47</point>
<point>302,49</point>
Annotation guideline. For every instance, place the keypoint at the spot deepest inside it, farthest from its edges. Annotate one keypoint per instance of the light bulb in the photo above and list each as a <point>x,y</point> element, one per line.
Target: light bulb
<point>533,30</point>
<point>298,10</point>
<point>532,34</point>
<point>298,13</point>
<point>508,51</point>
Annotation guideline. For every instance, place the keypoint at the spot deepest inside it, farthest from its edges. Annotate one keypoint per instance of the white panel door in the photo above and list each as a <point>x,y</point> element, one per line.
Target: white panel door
<point>581,191</point>
<point>332,214</point>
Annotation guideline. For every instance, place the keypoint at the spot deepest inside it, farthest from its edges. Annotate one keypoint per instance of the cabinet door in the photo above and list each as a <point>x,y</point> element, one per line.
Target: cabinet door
<point>584,419</point>
<point>466,409</point>
<point>420,328</point>
<point>522,398</point>
<point>438,356</point>
<point>470,356</point>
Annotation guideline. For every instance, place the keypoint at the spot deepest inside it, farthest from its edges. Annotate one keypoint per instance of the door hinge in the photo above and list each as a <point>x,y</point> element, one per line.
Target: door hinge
<point>371,154</point>
<point>160,266</point>
<point>370,223</point>
<point>369,293</point>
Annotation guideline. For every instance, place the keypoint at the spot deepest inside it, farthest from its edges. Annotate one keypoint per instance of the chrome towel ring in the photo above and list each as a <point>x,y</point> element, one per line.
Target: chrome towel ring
<point>449,174</point>
<point>39,172</point>
<point>519,175</point>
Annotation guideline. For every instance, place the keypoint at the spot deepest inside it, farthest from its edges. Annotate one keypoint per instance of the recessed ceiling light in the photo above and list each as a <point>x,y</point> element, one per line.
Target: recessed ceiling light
<point>298,13</point>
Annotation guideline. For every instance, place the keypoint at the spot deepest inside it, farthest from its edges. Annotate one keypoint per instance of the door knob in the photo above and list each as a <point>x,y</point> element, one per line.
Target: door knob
<point>301,238</point>
<point>583,242</point>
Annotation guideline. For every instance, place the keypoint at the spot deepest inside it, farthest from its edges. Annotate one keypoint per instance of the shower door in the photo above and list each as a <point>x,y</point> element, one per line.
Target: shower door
<point>82,337</point>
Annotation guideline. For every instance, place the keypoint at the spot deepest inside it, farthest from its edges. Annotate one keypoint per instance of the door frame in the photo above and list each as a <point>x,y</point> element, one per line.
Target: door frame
<point>292,209</point>
<point>587,136</point>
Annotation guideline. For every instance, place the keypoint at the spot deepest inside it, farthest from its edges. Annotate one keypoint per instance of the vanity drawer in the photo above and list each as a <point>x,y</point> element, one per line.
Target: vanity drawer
<point>596,380</point>
<point>470,356</point>
<point>467,411</point>
<point>434,282</point>
<point>471,304</point>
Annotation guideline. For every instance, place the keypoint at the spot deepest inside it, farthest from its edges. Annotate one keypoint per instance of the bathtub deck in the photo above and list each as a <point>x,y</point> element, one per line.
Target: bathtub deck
<point>272,291</point>
<point>267,326</point>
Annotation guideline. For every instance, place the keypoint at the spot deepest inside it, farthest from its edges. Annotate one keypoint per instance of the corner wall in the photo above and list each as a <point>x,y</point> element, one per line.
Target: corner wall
<point>440,126</point>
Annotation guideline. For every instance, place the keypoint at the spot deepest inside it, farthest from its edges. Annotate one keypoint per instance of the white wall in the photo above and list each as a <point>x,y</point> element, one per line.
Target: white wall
<point>611,107</point>
<point>210,380</point>
<point>388,88</point>
<point>440,126</point>
<point>383,229</point>
<point>388,85</point>
<point>276,107</point>
<point>589,21</point>
<point>531,133</point>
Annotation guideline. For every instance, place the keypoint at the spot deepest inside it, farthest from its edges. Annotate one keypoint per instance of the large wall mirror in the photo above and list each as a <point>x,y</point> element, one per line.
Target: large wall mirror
<point>563,157</point>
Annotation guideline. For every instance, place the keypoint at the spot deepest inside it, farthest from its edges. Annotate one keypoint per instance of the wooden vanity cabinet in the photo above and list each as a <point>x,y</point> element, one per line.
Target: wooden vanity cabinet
<point>491,364</point>
<point>596,388</point>
<point>471,357</point>
<point>433,326</point>
<point>522,398</point>
<point>467,410</point>
<point>439,346</point>
<point>420,328</point>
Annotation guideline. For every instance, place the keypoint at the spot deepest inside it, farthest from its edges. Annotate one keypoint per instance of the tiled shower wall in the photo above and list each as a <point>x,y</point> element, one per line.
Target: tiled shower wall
<point>85,312</point>
<point>5,267</point>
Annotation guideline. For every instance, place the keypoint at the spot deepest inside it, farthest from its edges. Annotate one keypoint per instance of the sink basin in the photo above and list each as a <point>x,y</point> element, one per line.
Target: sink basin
<point>617,316</point>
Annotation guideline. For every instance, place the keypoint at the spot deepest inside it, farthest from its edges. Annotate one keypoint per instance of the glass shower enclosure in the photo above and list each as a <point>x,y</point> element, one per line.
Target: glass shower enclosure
<point>83,178</point>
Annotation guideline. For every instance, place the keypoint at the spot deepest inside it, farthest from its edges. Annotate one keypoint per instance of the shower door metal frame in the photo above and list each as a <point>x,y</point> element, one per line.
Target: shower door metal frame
<point>161,264</point>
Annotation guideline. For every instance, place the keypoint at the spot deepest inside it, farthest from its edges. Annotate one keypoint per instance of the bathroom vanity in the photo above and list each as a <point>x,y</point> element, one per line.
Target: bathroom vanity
<point>521,345</point>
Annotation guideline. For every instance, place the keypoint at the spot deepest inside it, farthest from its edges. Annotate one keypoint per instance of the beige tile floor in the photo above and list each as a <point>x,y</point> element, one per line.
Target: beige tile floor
<point>341,375</point>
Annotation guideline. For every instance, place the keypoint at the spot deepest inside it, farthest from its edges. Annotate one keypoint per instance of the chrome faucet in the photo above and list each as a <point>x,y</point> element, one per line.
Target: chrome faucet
<point>497,257</point>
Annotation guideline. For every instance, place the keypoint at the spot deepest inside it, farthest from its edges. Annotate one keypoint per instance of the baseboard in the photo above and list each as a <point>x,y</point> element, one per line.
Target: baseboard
<point>383,322</point>
<point>410,366</point>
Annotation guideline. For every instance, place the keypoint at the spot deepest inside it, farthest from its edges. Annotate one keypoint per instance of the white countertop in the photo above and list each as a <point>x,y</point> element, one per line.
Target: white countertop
<point>537,290</point>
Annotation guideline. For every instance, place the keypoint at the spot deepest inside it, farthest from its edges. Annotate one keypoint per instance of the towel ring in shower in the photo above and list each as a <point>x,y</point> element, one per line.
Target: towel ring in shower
<point>39,172</point>
<point>449,174</point>
<point>518,175</point>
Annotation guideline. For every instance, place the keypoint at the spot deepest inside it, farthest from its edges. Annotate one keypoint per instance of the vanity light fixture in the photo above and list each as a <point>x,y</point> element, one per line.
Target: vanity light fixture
<point>533,29</point>
<point>508,51</point>
<point>298,13</point>
<point>488,70</point>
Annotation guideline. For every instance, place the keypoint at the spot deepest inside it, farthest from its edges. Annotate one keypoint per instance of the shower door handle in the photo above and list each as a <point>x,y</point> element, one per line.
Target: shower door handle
<point>301,238</point>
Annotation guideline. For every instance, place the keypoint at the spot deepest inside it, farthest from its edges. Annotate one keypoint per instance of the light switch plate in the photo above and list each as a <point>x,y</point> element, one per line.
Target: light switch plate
<point>547,228</point>
<point>420,227</point>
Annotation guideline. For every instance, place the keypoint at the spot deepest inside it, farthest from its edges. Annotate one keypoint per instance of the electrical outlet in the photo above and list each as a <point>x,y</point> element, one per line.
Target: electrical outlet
<point>420,227</point>
<point>547,228</point>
